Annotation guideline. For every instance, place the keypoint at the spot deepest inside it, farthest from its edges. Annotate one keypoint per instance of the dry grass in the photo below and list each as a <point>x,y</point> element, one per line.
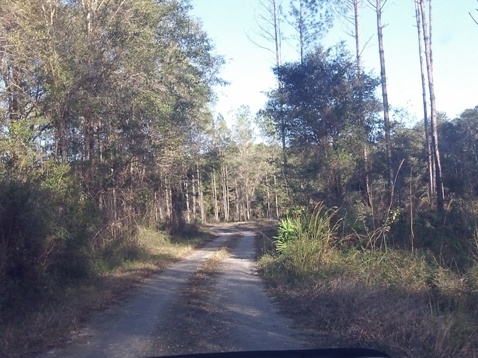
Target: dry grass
<point>195,310</point>
<point>54,320</point>
<point>392,301</point>
<point>214,263</point>
<point>200,282</point>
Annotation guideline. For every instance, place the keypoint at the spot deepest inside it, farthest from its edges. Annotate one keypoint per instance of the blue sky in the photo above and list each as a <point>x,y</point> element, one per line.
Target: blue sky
<point>455,51</point>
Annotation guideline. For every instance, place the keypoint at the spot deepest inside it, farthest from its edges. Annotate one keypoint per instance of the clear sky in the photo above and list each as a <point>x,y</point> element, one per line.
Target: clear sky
<point>455,51</point>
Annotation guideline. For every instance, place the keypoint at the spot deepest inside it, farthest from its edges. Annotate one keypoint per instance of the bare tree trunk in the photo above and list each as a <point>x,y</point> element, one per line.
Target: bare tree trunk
<point>271,32</point>
<point>214,196</point>
<point>168,199</point>
<point>63,140</point>
<point>431,173</point>
<point>268,193</point>
<point>277,32</point>
<point>358,55</point>
<point>248,207</point>
<point>238,203</point>
<point>12,85</point>
<point>177,219</point>
<point>100,143</point>
<point>194,193</point>
<point>358,60</point>
<point>225,193</point>
<point>157,208</point>
<point>383,75</point>
<point>301,28</point>
<point>412,231</point>
<point>276,197</point>
<point>89,8</point>
<point>201,196</point>
<point>188,209</point>
<point>115,205</point>
<point>278,54</point>
<point>431,87</point>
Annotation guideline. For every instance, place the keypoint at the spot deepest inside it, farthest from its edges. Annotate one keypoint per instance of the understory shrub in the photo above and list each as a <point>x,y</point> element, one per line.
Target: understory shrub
<point>44,228</point>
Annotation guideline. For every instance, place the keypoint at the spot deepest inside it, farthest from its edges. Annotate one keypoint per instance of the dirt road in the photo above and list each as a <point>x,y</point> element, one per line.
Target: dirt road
<point>232,314</point>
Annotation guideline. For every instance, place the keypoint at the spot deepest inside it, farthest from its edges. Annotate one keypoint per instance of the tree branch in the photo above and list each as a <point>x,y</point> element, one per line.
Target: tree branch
<point>476,22</point>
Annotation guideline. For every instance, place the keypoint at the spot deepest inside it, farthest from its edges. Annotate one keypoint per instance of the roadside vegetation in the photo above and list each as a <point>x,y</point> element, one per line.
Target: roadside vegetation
<point>45,313</point>
<point>369,289</point>
<point>111,158</point>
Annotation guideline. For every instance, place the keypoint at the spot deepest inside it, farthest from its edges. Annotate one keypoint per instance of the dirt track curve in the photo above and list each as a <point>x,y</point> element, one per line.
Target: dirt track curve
<point>154,320</point>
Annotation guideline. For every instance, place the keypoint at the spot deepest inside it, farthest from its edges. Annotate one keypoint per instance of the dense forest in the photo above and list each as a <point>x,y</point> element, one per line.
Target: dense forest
<point>106,127</point>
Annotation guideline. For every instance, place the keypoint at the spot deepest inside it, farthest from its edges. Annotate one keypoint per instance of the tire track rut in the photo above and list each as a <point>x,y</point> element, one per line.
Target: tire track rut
<point>125,330</point>
<point>192,308</point>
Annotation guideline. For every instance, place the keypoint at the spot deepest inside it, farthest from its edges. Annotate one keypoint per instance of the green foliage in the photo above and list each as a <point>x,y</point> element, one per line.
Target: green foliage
<point>327,115</point>
<point>321,95</point>
<point>459,145</point>
<point>115,91</point>
<point>305,239</point>
<point>44,230</point>
<point>288,231</point>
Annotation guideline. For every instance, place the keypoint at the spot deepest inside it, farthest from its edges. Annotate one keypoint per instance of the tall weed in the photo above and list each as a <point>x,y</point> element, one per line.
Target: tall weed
<point>305,240</point>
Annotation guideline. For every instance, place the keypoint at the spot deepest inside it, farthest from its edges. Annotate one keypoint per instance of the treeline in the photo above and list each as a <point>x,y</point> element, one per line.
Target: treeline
<point>105,126</point>
<point>344,146</point>
<point>336,153</point>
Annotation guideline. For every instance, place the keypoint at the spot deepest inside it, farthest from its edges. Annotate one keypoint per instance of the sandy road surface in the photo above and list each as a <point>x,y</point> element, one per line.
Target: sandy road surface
<point>249,317</point>
<point>155,320</point>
